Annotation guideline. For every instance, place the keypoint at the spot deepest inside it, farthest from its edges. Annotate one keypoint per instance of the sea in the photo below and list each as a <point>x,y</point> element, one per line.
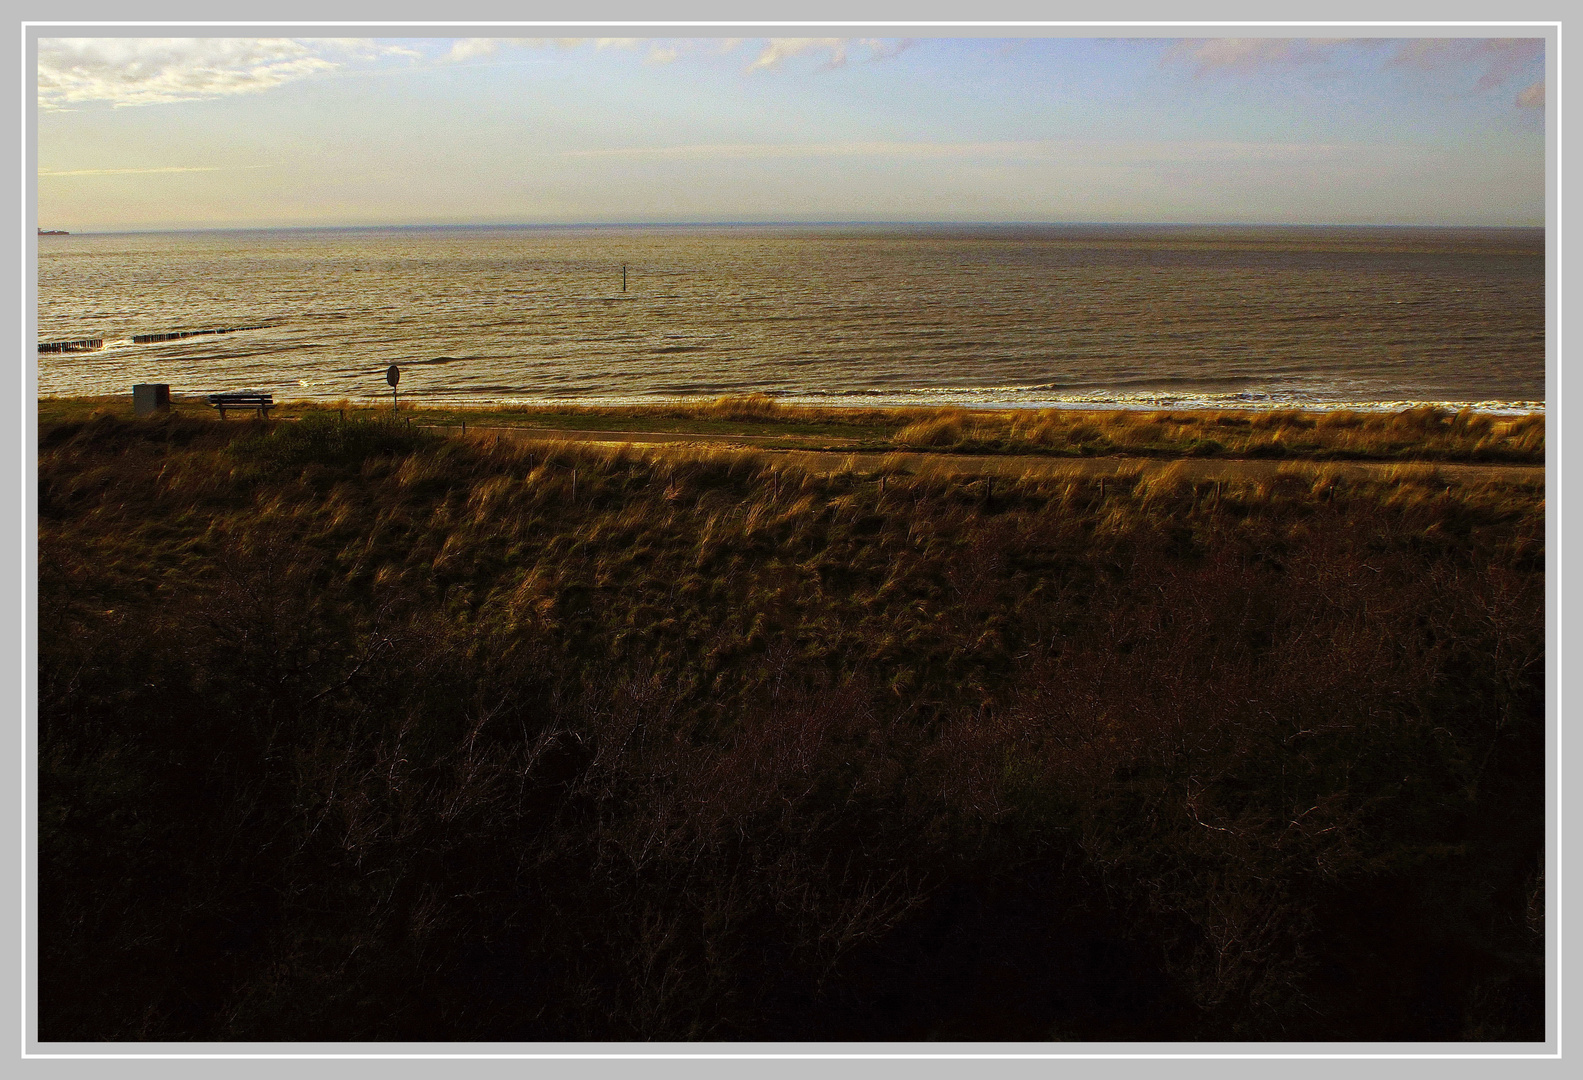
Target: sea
<point>989,316</point>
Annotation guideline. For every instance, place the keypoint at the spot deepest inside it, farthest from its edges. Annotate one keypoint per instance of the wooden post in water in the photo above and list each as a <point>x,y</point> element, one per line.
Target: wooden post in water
<point>623,277</point>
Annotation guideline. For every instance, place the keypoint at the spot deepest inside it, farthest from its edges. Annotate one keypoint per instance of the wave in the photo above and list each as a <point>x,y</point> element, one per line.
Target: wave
<point>997,398</point>
<point>912,319</point>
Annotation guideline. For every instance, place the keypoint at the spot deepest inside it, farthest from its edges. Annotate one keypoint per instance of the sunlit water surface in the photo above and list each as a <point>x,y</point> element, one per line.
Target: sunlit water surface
<point>986,316</point>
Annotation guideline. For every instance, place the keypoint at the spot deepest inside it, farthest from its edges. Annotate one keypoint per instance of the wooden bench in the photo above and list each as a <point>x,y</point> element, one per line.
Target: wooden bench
<point>262,402</point>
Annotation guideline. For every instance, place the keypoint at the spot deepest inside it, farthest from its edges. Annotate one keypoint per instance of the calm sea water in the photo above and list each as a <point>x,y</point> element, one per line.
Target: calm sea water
<point>991,316</point>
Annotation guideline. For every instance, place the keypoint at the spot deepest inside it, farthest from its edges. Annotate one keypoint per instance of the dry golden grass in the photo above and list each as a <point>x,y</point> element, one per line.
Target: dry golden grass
<point>1417,434</point>
<point>356,731</point>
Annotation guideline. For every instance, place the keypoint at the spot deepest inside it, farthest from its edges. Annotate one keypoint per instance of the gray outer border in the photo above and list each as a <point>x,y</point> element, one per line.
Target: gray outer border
<point>1432,20</point>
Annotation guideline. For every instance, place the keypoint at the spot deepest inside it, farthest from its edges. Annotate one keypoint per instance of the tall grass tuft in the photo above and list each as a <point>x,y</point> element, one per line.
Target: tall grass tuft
<point>326,438</point>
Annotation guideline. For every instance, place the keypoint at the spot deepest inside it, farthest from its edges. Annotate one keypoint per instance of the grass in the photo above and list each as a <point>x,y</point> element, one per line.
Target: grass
<point>1424,434</point>
<point>350,731</point>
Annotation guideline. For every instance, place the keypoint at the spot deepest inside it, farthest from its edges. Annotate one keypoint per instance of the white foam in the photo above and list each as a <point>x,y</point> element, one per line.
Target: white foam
<point>997,398</point>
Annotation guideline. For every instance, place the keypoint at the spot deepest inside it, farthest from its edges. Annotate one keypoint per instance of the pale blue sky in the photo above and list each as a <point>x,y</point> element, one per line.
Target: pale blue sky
<point>138,133</point>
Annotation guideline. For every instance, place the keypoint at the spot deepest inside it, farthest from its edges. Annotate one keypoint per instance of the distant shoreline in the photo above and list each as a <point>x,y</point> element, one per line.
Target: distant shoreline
<point>1073,226</point>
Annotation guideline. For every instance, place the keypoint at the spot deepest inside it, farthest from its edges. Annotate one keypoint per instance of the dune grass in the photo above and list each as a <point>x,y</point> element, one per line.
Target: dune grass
<point>1417,434</point>
<point>1426,434</point>
<point>353,731</point>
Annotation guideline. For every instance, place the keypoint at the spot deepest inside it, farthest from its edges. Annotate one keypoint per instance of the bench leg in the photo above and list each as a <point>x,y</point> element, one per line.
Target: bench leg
<point>222,411</point>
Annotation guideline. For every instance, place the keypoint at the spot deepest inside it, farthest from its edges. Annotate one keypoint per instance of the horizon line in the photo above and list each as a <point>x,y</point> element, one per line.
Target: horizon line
<point>787,223</point>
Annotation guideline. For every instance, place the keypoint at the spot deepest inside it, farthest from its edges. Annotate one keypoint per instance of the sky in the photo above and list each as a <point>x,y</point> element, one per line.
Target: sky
<point>141,133</point>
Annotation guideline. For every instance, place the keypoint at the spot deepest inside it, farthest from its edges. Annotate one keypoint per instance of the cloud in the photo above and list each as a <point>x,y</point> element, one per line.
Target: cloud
<point>467,48</point>
<point>1501,58</point>
<point>722,151</point>
<point>1533,97</point>
<point>471,48</point>
<point>773,52</point>
<point>778,49</point>
<point>669,50</point>
<point>1120,152</point>
<point>545,43</point>
<point>120,172</point>
<point>673,49</point>
<point>362,48</point>
<point>887,50</point>
<point>1496,61</point>
<point>1248,54</point>
<point>153,71</point>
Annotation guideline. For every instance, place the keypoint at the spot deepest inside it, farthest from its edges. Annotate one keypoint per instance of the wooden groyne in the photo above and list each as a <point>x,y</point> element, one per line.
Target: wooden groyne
<point>93,344</point>
<point>80,345</point>
<point>177,335</point>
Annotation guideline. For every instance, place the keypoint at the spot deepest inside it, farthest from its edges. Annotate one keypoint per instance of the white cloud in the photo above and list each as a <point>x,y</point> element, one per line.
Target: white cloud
<point>122,172</point>
<point>467,48</point>
<point>152,71</point>
<point>778,49</point>
<point>544,43</point>
<point>887,50</point>
<point>670,50</point>
<point>1247,54</point>
<point>1120,152</point>
<point>721,151</point>
<point>361,48</point>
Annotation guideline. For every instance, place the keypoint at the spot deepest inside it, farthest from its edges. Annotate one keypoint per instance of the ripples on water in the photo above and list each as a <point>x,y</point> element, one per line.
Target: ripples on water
<point>1002,316</point>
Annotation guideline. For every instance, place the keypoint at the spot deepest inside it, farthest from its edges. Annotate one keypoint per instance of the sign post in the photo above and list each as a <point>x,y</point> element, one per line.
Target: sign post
<point>393,376</point>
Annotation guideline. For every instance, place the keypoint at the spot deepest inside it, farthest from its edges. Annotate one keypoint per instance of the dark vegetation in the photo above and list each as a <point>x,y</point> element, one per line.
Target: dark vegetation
<point>350,731</point>
<point>1423,434</point>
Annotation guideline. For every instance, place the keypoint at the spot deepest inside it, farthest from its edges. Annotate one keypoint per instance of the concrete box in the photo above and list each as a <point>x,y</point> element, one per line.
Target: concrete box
<point>150,398</point>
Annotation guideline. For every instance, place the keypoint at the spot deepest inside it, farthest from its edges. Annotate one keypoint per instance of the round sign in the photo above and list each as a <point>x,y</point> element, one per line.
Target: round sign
<point>392,374</point>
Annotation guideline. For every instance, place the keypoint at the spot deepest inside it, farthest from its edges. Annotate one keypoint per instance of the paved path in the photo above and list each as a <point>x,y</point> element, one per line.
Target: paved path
<point>654,436</point>
<point>1007,464</point>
